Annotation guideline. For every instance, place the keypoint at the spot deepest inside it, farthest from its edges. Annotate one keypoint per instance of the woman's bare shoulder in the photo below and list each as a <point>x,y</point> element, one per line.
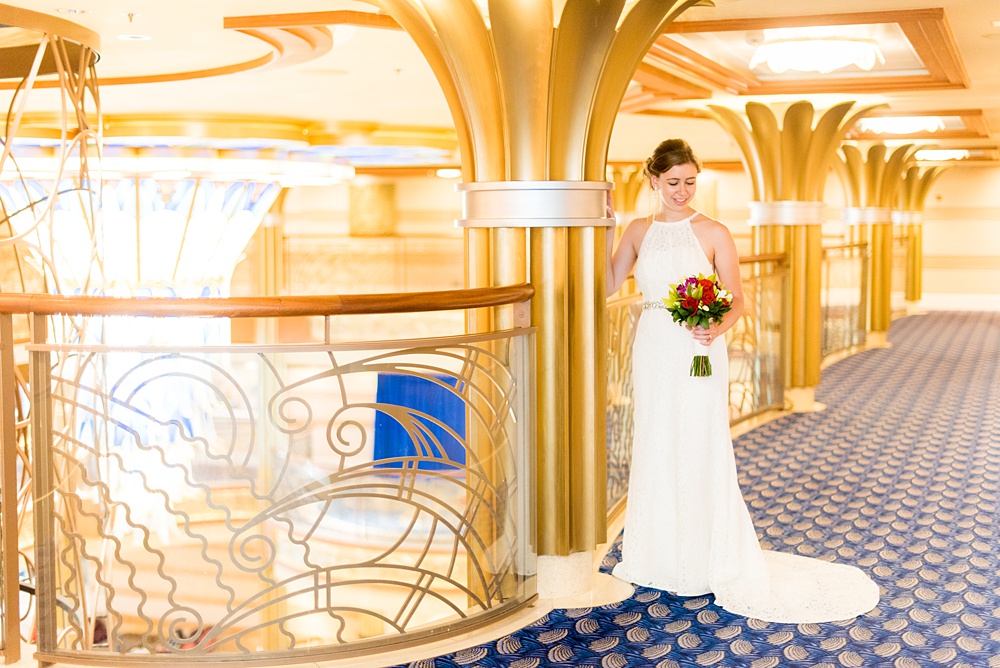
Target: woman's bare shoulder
<point>636,228</point>
<point>710,225</point>
<point>639,223</point>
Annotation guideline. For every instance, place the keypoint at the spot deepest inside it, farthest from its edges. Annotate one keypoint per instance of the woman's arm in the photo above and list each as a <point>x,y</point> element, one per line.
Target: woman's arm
<point>622,261</point>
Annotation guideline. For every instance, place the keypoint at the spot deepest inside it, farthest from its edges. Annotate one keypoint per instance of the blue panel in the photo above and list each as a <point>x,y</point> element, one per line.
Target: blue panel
<point>407,427</point>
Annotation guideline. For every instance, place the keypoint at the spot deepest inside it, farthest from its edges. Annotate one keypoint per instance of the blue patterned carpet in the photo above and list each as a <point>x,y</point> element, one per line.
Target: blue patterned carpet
<point>900,476</point>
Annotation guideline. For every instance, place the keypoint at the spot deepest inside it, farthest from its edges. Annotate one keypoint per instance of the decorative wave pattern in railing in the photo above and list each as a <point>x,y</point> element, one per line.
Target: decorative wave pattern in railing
<point>756,376</point>
<point>280,501</point>
<point>623,315</point>
<point>845,297</point>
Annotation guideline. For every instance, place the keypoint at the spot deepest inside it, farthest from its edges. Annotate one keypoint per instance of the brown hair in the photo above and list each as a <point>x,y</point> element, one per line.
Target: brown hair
<point>670,153</point>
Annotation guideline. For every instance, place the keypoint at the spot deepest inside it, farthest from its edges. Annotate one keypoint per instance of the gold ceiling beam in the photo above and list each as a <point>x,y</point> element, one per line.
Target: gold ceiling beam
<point>184,128</point>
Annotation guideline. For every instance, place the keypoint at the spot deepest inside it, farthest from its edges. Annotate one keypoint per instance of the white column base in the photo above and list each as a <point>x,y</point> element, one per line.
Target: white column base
<point>803,400</point>
<point>570,582</point>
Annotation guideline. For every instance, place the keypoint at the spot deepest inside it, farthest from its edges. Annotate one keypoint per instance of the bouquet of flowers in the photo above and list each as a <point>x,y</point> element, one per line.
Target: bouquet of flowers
<point>698,301</point>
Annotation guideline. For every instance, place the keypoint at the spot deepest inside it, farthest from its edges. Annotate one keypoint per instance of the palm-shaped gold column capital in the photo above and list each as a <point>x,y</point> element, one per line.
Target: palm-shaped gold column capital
<point>534,88</point>
<point>788,165</point>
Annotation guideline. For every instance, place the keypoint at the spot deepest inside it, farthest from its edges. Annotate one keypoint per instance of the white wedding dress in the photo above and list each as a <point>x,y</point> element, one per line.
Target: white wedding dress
<point>687,528</point>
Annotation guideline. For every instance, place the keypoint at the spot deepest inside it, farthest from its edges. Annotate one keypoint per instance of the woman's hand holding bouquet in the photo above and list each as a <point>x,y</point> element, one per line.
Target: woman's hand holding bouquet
<point>699,301</point>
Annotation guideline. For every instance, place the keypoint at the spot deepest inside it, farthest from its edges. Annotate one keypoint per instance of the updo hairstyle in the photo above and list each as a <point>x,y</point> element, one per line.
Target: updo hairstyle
<point>669,154</point>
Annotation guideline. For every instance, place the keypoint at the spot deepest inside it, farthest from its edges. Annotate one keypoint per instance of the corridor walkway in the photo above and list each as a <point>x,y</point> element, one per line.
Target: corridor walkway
<point>900,475</point>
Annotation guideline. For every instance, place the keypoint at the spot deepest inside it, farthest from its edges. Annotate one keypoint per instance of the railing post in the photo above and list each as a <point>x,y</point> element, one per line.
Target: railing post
<point>41,485</point>
<point>11,647</point>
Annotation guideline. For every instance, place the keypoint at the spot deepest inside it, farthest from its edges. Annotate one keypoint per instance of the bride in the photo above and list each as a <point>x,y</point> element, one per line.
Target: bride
<point>687,528</point>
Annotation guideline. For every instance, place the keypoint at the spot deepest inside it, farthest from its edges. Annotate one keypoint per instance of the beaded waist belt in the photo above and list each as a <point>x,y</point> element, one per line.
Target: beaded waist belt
<point>654,305</point>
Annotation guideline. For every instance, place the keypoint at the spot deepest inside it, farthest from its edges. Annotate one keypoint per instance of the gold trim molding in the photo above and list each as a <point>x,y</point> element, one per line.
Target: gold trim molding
<point>49,25</point>
<point>188,127</point>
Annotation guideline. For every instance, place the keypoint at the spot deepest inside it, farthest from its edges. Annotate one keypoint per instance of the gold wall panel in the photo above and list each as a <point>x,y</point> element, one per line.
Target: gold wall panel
<point>372,210</point>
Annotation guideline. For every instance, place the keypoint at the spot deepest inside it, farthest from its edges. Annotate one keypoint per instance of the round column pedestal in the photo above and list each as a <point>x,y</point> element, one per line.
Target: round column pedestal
<point>877,340</point>
<point>572,582</point>
<point>803,400</point>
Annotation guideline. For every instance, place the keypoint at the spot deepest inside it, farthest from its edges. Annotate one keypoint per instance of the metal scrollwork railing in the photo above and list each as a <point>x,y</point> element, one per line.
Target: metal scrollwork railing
<point>623,314</point>
<point>272,502</point>
<point>756,376</point>
<point>845,297</point>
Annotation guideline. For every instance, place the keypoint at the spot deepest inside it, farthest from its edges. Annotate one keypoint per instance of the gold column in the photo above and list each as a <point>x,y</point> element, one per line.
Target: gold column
<point>788,167</point>
<point>872,189</point>
<point>534,89</point>
<point>881,277</point>
<point>564,218</point>
<point>629,181</point>
<point>915,187</point>
<point>914,256</point>
<point>798,227</point>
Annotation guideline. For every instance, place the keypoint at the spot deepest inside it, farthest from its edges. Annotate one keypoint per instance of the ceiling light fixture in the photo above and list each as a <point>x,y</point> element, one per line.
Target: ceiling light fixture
<point>814,50</point>
<point>901,125</point>
<point>448,173</point>
<point>135,38</point>
<point>939,154</point>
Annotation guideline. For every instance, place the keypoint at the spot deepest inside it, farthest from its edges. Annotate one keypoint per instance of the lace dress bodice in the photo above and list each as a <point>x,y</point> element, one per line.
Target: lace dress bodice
<point>669,253</point>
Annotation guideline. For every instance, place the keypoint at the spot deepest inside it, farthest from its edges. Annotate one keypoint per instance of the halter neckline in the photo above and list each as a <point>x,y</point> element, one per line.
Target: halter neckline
<point>674,222</point>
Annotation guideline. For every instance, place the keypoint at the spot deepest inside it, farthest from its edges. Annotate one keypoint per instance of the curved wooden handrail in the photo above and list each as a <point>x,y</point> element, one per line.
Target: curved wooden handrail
<point>268,307</point>
<point>766,257</point>
<point>860,245</point>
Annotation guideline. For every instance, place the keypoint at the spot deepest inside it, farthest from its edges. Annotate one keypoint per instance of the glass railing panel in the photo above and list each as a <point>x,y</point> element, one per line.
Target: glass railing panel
<point>623,314</point>
<point>281,501</point>
<point>756,371</point>
<point>844,297</point>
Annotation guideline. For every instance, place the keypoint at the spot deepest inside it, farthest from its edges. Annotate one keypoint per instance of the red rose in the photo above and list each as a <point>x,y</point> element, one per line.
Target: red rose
<point>690,303</point>
<point>705,283</point>
<point>708,295</point>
